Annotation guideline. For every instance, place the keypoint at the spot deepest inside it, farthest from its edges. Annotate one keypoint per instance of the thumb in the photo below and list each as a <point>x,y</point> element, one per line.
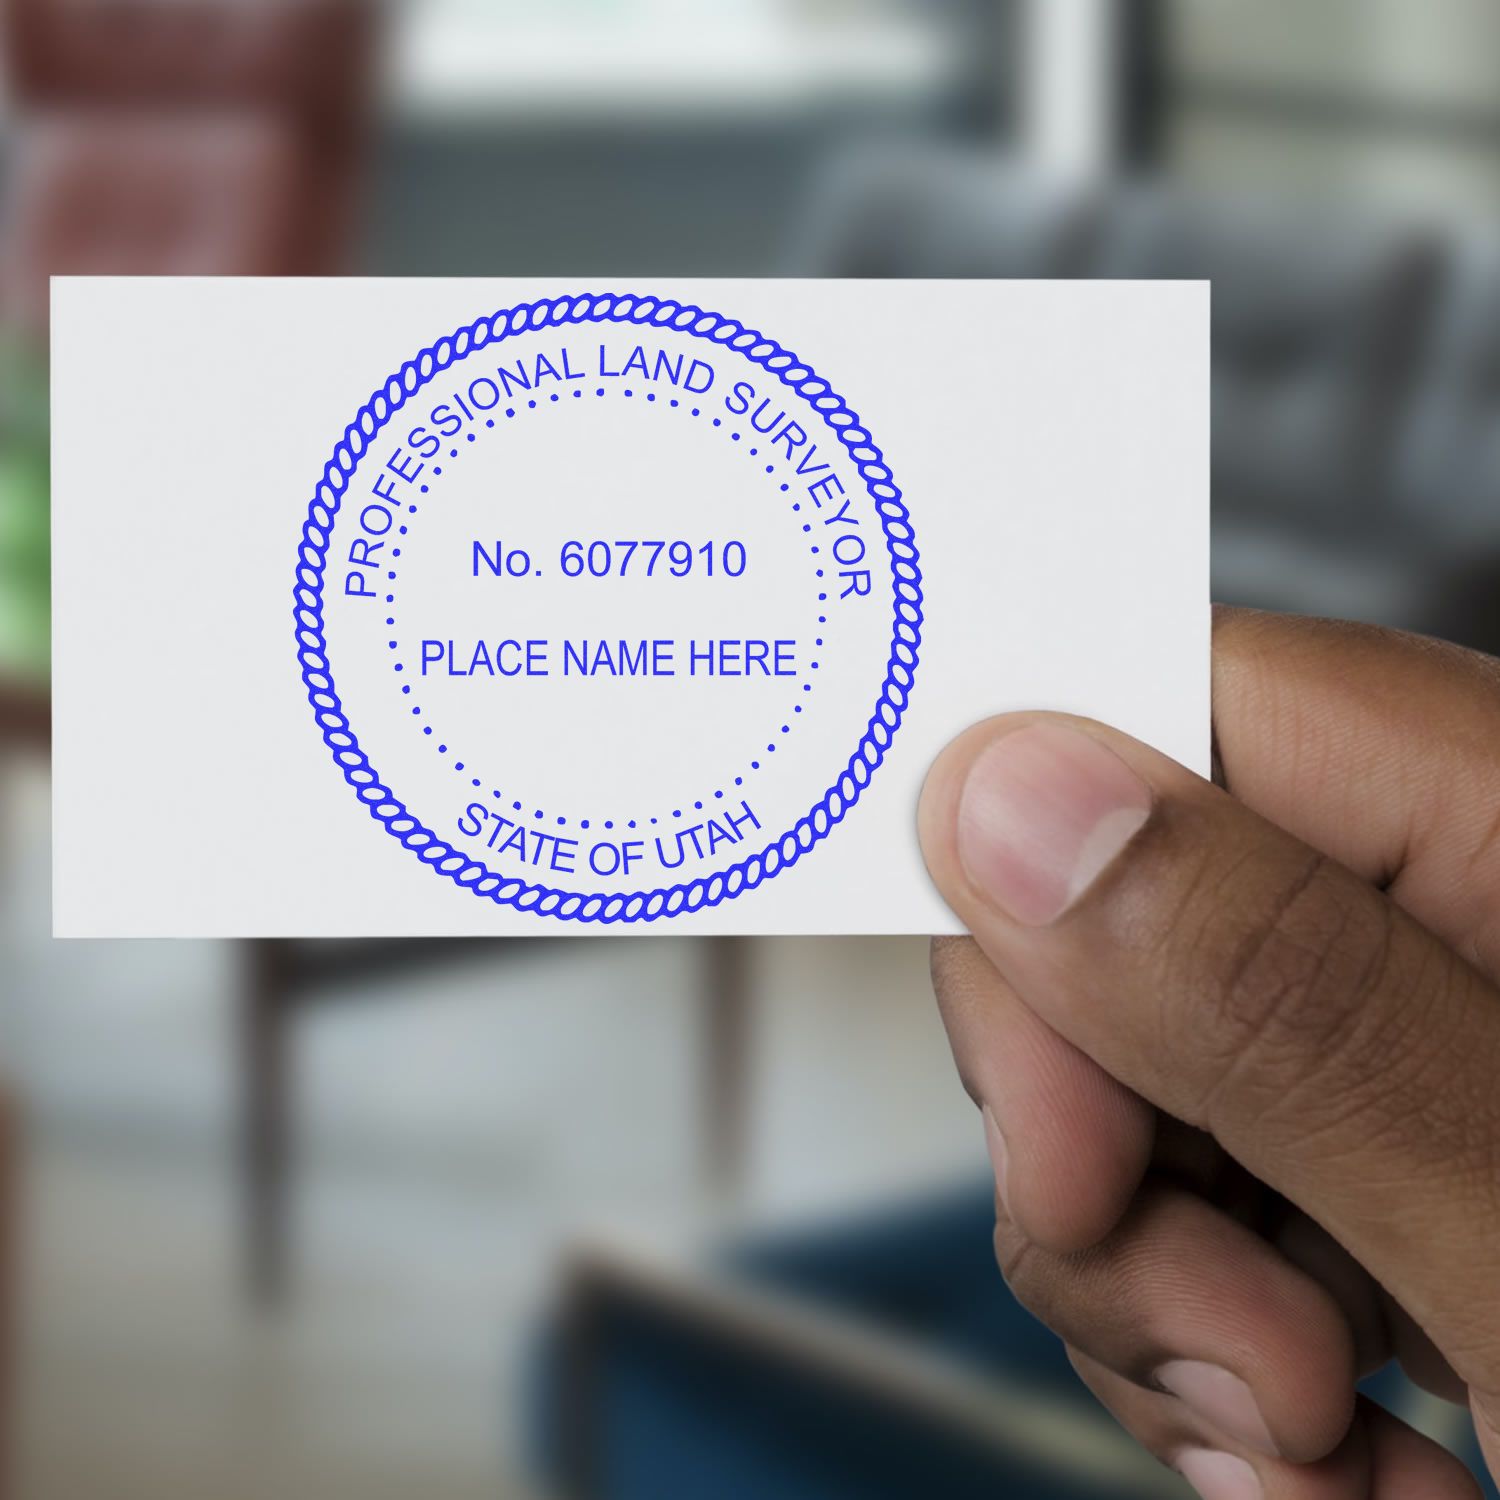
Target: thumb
<point>1246,984</point>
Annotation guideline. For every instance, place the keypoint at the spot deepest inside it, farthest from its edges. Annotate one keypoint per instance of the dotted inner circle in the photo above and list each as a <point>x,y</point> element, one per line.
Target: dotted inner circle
<point>420,711</point>
<point>702,891</point>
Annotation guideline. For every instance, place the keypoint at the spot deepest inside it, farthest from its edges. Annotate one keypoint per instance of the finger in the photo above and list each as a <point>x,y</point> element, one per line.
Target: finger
<point>1084,1141</point>
<point>1248,986</point>
<point>1217,1468</point>
<point>1181,1298</point>
<point>1381,1458</point>
<point>1069,1144</point>
<point>1376,747</point>
<point>1381,1327</point>
<point>1306,715</point>
<point>1317,1254</point>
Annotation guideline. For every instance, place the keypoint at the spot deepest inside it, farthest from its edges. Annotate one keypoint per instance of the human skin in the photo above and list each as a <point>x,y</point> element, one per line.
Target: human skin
<point>1236,1045</point>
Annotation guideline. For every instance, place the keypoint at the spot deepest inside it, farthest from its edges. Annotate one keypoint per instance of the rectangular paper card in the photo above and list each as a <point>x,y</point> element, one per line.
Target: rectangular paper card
<point>517,606</point>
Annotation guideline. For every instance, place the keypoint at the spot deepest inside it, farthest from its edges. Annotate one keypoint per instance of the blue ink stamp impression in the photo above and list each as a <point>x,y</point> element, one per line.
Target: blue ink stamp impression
<point>622,600</point>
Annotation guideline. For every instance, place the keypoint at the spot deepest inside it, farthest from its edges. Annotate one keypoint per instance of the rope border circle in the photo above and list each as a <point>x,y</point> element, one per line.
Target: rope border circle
<point>704,891</point>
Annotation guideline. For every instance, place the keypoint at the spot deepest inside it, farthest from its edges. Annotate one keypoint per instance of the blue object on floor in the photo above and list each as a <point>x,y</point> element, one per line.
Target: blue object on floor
<point>678,1406</point>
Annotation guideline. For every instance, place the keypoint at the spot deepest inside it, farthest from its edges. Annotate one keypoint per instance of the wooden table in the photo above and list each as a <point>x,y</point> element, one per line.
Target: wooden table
<point>280,978</point>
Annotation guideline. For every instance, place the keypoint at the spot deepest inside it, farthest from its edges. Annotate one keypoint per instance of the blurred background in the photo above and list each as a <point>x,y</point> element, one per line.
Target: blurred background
<point>663,1218</point>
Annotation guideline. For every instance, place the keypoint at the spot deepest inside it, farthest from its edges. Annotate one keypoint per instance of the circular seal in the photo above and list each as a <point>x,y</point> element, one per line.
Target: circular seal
<point>602,578</point>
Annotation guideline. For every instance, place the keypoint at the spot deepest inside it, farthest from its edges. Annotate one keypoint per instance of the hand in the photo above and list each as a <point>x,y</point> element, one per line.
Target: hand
<point>1237,1049</point>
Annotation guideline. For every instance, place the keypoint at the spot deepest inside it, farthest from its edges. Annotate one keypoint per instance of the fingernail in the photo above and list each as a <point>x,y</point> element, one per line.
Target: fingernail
<point>1219,1476</point>
<point>1222,1399</point>
<point>1043,811</point>
<point>999,1155</point>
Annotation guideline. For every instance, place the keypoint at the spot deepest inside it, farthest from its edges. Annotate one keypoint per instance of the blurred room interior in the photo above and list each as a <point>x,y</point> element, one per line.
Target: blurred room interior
<point>663,1218</point>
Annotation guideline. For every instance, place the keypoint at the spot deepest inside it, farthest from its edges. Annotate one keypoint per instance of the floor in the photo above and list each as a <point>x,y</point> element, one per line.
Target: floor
<point>459,1129</point>
<point>145,1373</point>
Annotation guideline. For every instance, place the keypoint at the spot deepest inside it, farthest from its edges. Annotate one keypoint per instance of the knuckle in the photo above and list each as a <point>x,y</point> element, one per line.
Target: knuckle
<point>948,954</point>
<point>1027,1272</point>
<point>1290,982</point>
<point>1060,1291</point>
<point>945,961</point>
<point>962,982</point>
<point>950,966</point>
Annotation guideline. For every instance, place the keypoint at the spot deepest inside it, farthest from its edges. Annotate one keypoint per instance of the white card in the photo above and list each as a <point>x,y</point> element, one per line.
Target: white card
<point>633,610</point>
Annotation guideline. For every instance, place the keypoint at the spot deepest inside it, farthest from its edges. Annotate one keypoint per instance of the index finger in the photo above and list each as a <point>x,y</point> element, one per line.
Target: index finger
<point>1375,747</point>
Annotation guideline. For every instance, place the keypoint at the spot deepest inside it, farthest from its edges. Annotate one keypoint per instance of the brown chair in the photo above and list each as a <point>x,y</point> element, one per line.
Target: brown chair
<point>182,137</point>
<point>143,196</point>
<point>204,137</point>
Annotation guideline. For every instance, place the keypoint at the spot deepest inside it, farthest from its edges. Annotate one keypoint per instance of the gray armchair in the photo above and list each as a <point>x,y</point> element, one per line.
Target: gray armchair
<point>1356,365</point>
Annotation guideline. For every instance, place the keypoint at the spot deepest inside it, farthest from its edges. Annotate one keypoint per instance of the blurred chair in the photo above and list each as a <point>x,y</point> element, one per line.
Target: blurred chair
<point>1447,469</point>
<point>206,137</point>
<point>877,1359</point>
<point>1319,323</point>
<point>871,1359</point>
<point>144,196</point>
<point>1356,468</point>
<point>1448,461</point>
<point>911,211</point>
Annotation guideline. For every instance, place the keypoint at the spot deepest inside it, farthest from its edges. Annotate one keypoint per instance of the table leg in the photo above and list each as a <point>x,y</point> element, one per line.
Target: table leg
<point>726,1063</point>
<point>265,1129</point>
